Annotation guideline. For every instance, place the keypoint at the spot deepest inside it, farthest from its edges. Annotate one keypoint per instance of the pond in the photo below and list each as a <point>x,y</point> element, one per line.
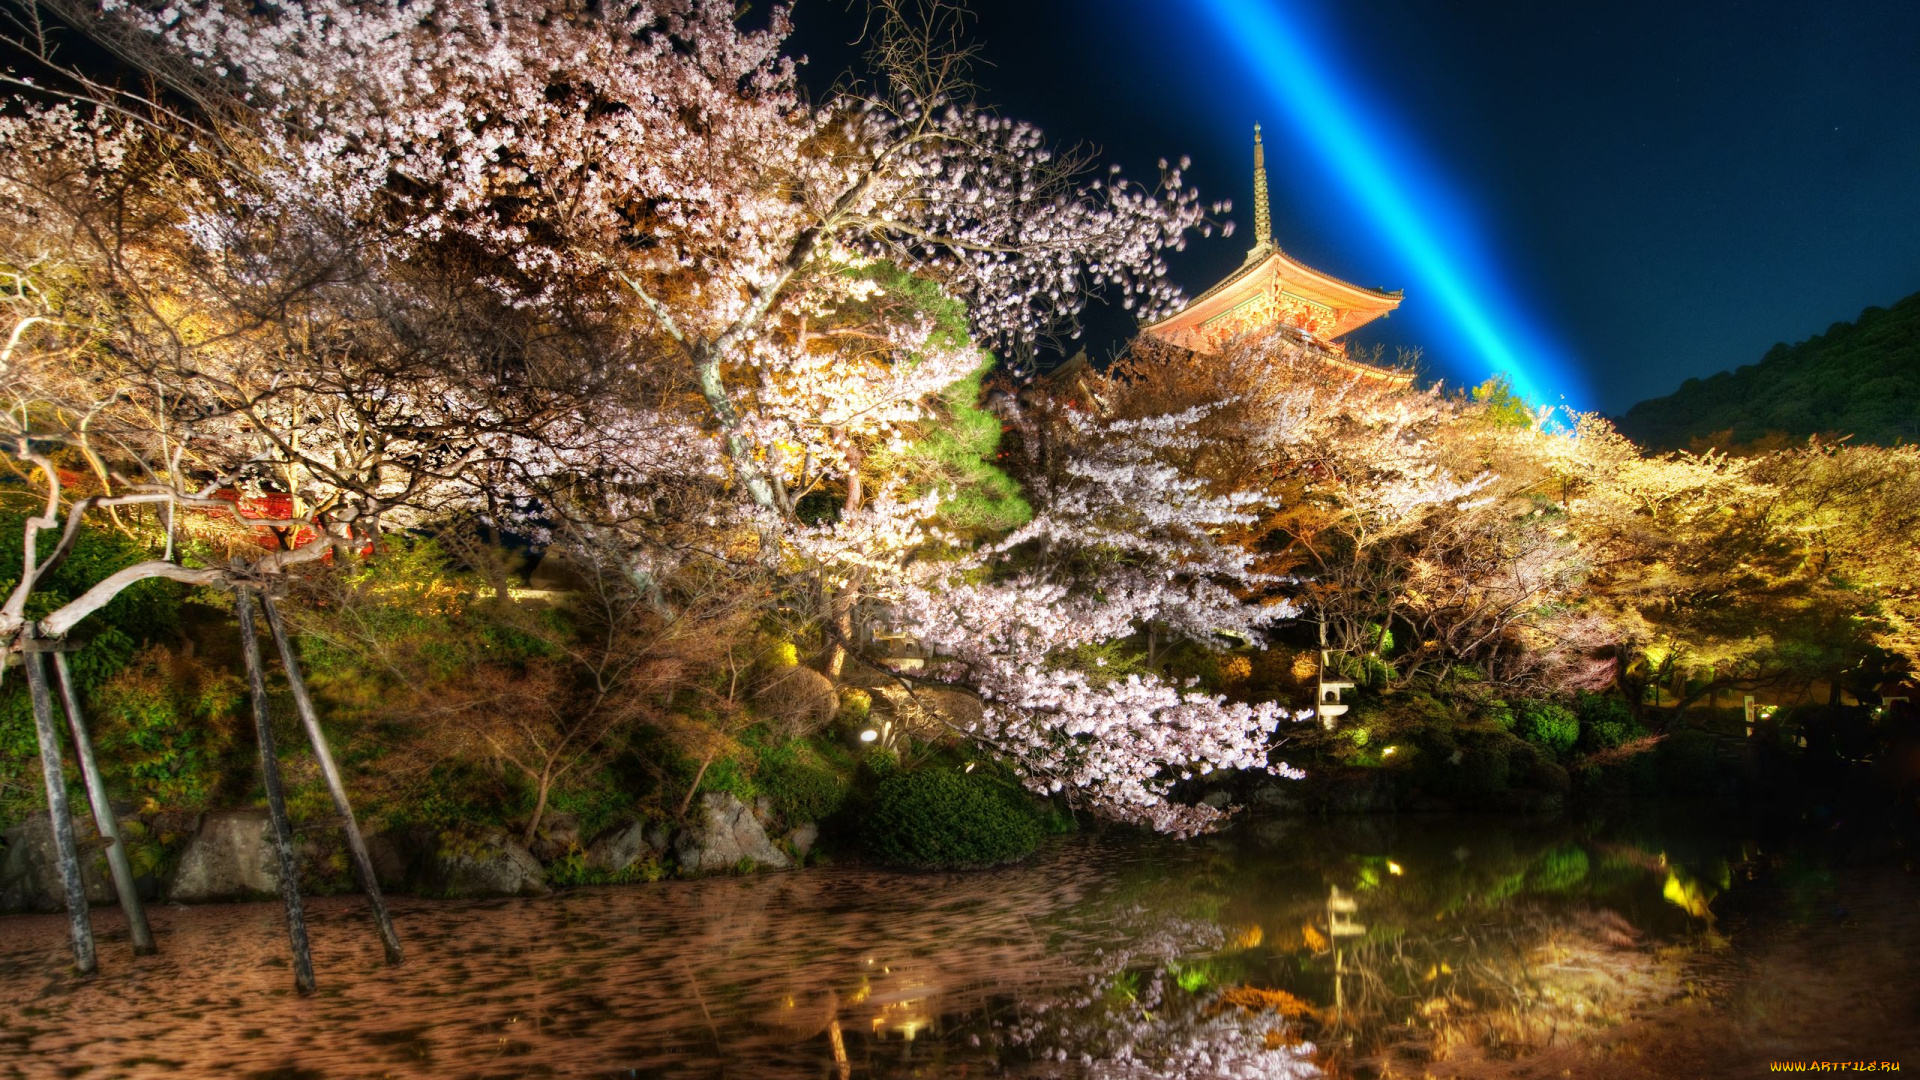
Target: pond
<point>1430,945</point>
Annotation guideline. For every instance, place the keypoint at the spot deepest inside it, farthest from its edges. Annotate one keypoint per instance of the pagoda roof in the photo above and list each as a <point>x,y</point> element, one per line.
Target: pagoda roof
<point>1297,270</point>
<point>1335,307</point>
<point>1273,289</point>
<point>1296,277</point>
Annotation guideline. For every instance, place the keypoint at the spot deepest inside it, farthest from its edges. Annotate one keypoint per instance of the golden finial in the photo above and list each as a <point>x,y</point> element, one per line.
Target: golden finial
<point>1262,216</point>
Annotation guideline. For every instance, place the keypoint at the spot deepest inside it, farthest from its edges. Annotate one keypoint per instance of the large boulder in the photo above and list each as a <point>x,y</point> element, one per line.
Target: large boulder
<point>622,846</point>
<point>30,867</point>
<point>724,832</point>
<point>486,862</point>
<point>229,857</point>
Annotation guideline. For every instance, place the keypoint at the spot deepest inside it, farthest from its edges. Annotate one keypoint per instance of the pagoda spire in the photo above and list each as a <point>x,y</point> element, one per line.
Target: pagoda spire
<point>1262,214</point>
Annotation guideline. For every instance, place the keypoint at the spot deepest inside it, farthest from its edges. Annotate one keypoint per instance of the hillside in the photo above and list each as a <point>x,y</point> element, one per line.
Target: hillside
<point>1860,378</point>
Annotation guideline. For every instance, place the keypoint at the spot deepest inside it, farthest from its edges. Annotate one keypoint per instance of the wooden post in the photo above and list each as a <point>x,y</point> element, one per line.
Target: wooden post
<point>103,817</point>
<point>356,845</point>
<point>276,798</point>
<point>76,887</point>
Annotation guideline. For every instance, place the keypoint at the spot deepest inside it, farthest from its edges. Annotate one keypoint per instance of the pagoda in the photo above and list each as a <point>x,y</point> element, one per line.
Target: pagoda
<point>1271,289</point>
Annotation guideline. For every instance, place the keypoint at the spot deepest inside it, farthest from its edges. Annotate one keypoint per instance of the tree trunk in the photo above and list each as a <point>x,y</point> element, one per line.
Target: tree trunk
<point>843,632</point>
<point>103,818</point>
<point>706,370</point>
<point>841,606</point>
<point>62,822</point>
<point>539,805</point>
<point>694,787</point>
<point>356,844</point>
<point>276,797</point>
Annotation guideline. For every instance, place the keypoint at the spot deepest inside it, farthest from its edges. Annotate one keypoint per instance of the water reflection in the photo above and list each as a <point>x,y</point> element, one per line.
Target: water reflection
<point>1269,952</point>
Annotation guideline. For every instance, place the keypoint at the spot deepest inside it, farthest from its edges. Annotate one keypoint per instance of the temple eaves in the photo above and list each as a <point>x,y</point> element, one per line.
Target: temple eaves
<point>1271,290</point>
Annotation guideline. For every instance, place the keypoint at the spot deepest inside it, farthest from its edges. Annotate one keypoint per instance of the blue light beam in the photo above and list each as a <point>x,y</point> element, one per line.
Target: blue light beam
<point>1399,193</point>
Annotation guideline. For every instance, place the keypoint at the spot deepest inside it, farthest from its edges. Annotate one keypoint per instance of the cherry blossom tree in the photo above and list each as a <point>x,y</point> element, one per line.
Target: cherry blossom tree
<point>747,272</point>
<point>664,153</point>
<point>1123,541</point>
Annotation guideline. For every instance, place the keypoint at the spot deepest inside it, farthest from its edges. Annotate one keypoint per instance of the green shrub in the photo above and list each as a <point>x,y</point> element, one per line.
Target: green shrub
<point>1056,818</point>
<point>855,706</point>
<point>1487,770</point>
<point>1188,661</point>
<point>802,787</point>
<point>1605,722</point>
<point>147,611</point>
<point>452,793</point>
<point>943,817</point>
<point>572,869</point>
<point>1470,771</point>
<point>807,779</point>
<point>172,728</point>
<point>876,764</point>
<point>595,799</point>
<point>728,776</point>
<point>1546,724</point>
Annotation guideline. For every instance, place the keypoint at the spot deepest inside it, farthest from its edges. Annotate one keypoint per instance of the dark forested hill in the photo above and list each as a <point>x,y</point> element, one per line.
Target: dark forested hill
<point>1860,378</point>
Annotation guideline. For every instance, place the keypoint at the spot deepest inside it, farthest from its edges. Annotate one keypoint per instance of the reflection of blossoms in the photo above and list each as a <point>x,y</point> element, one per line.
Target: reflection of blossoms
<point>1127,1022</point>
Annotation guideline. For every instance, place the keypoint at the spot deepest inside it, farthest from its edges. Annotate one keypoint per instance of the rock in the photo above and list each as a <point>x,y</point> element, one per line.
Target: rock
<point>623,845</point>
<point>803,839</point>
<point>723,833</point>
<point>797,697</point>
<point>763,809</point>
<point>1218,798</point>
<point>229,857</point>
<point>559,834</point>
<point>1281,795</point>
<point>474,864</point>
<point>30,868</point>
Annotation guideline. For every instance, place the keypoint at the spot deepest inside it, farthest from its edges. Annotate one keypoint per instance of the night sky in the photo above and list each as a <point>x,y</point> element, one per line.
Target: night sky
<point>1637,192</point>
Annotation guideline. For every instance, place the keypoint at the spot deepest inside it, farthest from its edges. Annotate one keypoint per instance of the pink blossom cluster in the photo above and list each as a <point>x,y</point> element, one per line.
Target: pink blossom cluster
<point>662,145</point>
<point>1114,745</point>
